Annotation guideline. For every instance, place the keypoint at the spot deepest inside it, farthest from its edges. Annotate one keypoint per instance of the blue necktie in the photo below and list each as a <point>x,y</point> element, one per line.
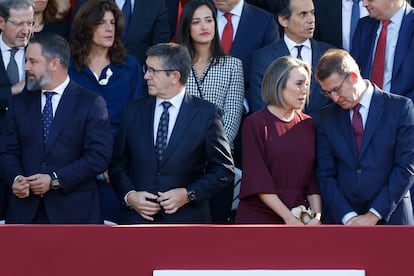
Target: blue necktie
<point>126,10</point>
<point>162,132</point>
<point>12,69</point>
<point>47,115</point>
<point>354,20</point>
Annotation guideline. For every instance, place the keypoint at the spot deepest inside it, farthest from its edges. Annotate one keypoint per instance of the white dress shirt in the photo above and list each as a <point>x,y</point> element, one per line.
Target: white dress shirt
<point>56,98</point>
<point>235,19</point>
<point>176,102</point>
<point>392,39</point>
<point>306,52</point>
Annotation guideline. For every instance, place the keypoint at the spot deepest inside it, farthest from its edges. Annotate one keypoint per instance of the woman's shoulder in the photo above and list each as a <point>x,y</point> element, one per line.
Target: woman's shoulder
<point>226,59</point>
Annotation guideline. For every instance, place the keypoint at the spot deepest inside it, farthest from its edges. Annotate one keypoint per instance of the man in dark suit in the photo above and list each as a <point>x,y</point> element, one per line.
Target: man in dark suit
<point>399,61</point>
<point>334,22</point>
<point>148,25</point>
<point>253,28</point>
<point>298,22</point>
<point>399,48</point>
<point>167,174</point>
<point>51,157</point>
<point>365,143</point>
<point>16,23</point>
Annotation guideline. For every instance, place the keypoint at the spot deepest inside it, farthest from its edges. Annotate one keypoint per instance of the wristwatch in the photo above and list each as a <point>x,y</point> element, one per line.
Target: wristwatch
<point>191,195</point>
<point>54,182</point>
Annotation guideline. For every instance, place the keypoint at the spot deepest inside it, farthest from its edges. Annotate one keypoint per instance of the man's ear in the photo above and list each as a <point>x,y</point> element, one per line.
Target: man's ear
<point>283,21</point>
<point>2,22</point>
<point>353,76</point>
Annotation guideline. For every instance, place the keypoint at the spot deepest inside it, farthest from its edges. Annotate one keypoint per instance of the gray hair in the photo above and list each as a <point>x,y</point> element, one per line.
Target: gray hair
<point>6,5</point>
<point>173,57</point>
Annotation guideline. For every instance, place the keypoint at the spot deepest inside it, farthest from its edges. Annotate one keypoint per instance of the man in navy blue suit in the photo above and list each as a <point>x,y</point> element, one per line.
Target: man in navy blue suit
<point>298,22</point>
<point>171,154</point>
<point>399,53</point>
<point>399,49</point>
<point>58,138</point>
<point>365,147</point>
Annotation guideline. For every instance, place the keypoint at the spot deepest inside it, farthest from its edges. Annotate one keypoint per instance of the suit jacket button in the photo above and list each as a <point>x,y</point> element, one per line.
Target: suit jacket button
<point>158,173</point>
<point>44,164</point>
<point>359,171</point>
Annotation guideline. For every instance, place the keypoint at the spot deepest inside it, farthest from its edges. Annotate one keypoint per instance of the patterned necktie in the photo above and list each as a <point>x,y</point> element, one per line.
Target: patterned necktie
<point>227,37</point>
<point>47,115</point>
<point>378,67</point>
<point>354,20</point>
<point>126,10</point>
<point>357,126</point>
<point>162,132</point>
<point>12,69</point>
<point>299,55</point>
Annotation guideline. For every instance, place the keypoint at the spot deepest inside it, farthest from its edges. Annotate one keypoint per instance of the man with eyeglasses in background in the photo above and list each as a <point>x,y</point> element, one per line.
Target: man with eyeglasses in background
<point>171,154</point>
<point>365,147</point>
<point>16,23</point>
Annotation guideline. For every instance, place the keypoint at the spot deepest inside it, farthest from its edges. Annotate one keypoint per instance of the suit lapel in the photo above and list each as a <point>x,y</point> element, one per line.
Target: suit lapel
<point>375,113</point>
<point>147,122</point>
<point>182,124</point>
<point>405,35</point>
<point>34,110</point>
<point>64,112</point>
<point>243,31</point>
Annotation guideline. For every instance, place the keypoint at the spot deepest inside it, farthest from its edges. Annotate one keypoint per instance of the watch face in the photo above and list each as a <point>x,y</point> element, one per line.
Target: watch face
<point>191,196</point>
<point>55,184</point>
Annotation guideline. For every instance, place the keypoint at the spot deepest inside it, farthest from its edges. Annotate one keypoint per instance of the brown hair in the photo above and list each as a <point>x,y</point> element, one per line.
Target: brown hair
<point>85,23</point>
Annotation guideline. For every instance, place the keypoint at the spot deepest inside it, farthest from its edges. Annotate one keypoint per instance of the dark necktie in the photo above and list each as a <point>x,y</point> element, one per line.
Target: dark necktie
<point>299,55</point>
<point>47,115</point>
<point>378,67</point>
<point>227,37</point>
<point>12,69</point>
<point>126,10</point>
<point>354,20</point>
<point>357,126</point>
<point>162,132</point>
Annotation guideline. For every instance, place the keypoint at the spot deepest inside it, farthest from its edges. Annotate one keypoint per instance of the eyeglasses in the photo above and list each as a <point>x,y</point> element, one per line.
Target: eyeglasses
<point>335,91</point>
<point>21,24</point>
<point>150,70</point>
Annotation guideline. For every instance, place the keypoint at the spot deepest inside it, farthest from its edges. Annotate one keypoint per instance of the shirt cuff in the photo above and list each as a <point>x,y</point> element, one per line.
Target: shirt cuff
<point>126,196</point>
<point>348,216</point>
<point>375,212</point>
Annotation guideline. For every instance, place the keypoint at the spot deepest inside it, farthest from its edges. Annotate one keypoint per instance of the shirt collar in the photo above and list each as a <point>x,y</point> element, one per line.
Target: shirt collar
<point>365,100</point>
<point>3,45</point>
<point>237,10</point>
<point>60,88</point>
<point>175,101</point>
<point>291,44</point>
<point>398,16</point>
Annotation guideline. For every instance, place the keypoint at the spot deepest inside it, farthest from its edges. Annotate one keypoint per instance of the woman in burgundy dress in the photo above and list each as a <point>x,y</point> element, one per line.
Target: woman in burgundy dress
<point>279,150</point>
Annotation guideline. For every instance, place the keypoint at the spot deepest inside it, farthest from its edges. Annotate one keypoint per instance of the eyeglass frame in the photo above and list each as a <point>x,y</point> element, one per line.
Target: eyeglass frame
<point>336,91</point>
<point>150,70</point>
<point>22,23</point>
